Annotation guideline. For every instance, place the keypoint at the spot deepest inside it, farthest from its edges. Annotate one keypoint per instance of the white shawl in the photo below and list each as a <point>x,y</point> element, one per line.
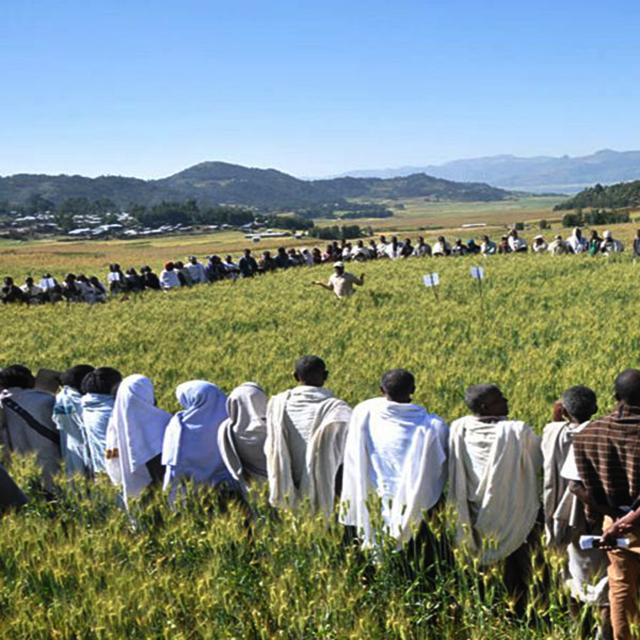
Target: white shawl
<point>135,432</point>
<point>395,451</point>
<point>327,431</point>
<point>242,435</point>
<point>493,485</point>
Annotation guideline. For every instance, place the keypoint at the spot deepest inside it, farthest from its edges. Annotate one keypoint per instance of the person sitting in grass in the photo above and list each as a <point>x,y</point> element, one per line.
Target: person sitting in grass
<point>242,435</point>
<point>516,243</point>
<point>488,247</point>
<point>539,244</point>
<point>558,246</point>
<point>169,277</point>
<point>32,292</point>
<point>306,432</point>
<point>609,244</point>
<point>564,514</point>
<point>99,389</point>
<point>396,450</point>
<point>441,248</point>
<point>134,438</point>
<point>67,415</point>
<point>493,486</point>
<point>28,423</point>
<point>341,282</point>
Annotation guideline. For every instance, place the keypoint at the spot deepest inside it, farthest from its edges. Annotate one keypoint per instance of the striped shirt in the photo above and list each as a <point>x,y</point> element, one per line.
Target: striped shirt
<point>608,458</point>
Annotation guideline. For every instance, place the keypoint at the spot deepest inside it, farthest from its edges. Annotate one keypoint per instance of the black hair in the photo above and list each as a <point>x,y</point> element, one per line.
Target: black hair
<point>74,376</point>
<point>398,384</point>
<point>580,402</point>
<point>17,375</point>
<point>308,367</point>
<point>477,395</point>
<point>102,380</point>
<point>627,387</point>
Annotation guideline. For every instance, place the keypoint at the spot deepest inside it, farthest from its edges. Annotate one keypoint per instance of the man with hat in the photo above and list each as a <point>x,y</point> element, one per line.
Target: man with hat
<point>341,282</point>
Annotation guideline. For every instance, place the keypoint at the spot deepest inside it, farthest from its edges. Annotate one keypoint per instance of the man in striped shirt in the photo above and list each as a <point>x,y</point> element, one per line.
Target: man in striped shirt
<point>608,460</point>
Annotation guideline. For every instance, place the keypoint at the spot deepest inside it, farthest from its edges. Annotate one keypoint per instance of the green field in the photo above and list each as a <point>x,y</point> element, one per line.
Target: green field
<point>77,569</point>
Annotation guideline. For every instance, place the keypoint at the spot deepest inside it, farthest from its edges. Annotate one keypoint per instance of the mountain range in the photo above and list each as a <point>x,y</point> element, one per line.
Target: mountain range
<point>221,183</point>
<point>535,174</point>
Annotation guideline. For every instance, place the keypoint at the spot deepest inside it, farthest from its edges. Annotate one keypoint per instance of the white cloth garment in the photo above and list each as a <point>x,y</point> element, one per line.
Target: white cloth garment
<point>577,244</point>
<point>242,435</point>
<point>169,279</point>
<point>565,518</point>
<point>395,451</point>
<point>197,272</point>
<point>306,432</point>
<point>190,448</point>
<point>136,430</point>
<point>493,485</point>
<point>67,416</point>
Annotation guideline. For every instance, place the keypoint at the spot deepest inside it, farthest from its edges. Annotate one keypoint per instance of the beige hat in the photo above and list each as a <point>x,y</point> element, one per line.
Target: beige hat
<point>338,265</point>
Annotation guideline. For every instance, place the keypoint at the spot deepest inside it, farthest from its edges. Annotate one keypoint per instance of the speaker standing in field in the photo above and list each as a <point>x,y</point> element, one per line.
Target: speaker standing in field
<point>341,282</point>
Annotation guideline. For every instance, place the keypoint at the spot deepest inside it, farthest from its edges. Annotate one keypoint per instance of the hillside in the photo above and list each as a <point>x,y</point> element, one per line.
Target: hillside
<point>615,196</point>
<point>222,183</point>
<point>535,174</point>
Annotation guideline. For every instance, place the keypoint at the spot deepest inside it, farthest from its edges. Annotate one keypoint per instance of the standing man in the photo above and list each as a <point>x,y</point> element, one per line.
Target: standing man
<point>248,265</point>
<point>341,282</point>
<point>608,461</point>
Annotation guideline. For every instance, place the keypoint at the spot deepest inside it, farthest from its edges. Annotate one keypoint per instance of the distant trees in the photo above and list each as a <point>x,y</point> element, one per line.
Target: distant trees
<point>345,232</point>
<point>615,196</point>
<point>594,217</point>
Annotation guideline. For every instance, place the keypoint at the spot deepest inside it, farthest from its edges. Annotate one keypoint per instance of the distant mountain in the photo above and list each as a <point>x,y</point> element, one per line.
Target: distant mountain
<point>221,183</point>
<point>616,196</point>
<point>536,174</point>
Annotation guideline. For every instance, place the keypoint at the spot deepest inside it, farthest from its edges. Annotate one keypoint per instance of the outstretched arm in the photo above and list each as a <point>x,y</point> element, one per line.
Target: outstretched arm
<point>328,287</point>
<point>359,281</point>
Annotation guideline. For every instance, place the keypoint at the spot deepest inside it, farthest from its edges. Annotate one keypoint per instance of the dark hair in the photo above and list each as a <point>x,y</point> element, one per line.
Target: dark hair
<point>102,380</point>
<point>17,375</point>
<point>398,383</point>
<point>580,402</point>
<point>477,394</point>
<point>74,376</point>
<point>309,367</point>
<point>627,387</point>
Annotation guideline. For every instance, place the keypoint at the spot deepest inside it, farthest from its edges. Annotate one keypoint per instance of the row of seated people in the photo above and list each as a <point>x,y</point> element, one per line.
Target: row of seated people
<point>310,447</point>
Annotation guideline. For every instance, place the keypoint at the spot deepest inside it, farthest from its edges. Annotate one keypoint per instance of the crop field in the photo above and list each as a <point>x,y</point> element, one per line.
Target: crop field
<point>80,568</point>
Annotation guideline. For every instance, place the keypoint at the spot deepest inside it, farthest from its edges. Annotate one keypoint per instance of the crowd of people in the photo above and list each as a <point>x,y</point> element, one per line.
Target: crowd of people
<point>90,289</point>
<point>311,447</point>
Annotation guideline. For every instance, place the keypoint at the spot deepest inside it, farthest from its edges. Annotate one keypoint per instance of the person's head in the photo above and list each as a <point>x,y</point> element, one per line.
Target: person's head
<point>70,277</point>
<point>594,235</point>
<point>559,238</point>
<point>29,281</point>
<point>16,375</point>
<point>282,251</point>
<point>514,233</point>
<point>638,233</point>
<point>247,253</point>
<point>193,260</point>
<point>607,235</point>
<point>103,380</point>
<point>74,376</point>
<point>360,244</point>
<point>311,371</point>
<point>486,400</point>
<point>229,259</point>
<point>8,281</point>
<point>485,238</point>
<point>339,268</point>
<point>538,239</point>
<point>169,266</point>
<point>407,241</point>
<point>132,272</point>
<point>398,385</point>
<point>458,242</point>
<point>577,233</point>
<point>441,239</point>
<point>94,280</point>
<point>627,387</point>
<point>579,403</point>
<point>179,265</point>
<point>266,255</point>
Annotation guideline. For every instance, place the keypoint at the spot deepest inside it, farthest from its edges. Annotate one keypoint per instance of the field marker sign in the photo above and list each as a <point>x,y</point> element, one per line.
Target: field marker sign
<point>431,280</point>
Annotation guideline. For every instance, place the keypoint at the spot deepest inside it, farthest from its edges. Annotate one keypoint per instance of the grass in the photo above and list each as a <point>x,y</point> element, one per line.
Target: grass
<point>77,568</point>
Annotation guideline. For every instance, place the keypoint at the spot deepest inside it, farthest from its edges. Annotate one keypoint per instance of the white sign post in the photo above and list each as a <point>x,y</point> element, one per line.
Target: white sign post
<point>477,273</point>
<point>432,280</point>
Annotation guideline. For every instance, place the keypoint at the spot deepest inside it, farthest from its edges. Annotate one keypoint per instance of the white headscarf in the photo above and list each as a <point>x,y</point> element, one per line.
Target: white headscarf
<point>190,447</point>
<point>135,430</point>
<point>242,435</point>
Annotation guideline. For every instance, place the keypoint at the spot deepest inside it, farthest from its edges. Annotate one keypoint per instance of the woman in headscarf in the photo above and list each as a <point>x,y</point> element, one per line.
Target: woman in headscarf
<point>134,437</point>
<point>190,450</point>
<point>242,435</point>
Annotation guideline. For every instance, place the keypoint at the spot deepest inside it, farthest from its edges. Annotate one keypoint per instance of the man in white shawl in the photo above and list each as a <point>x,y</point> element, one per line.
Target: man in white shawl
<point>564,514</point>
<point>493,485</point>
<point>190,449</point>
<point>28,427</point>
<point>67,415</point>
<point>242,435</point>
<point>134,437</point>
<point>577,242</point>
<point>395,450</point>
<point>306,432</point>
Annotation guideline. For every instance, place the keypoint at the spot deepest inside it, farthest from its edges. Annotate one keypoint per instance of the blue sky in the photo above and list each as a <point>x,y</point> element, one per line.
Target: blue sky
<point>313,88</point>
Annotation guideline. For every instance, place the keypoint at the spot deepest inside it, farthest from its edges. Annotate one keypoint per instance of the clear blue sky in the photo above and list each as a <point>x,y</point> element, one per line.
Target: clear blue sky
<point>311,87</point>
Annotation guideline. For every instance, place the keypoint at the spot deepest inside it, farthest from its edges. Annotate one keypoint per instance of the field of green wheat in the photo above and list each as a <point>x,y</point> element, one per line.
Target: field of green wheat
<point>80,568</point>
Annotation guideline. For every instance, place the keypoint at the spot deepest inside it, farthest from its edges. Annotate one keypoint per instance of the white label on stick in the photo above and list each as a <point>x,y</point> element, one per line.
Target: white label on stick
<point>477,273</point>
<point>431,280</point>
